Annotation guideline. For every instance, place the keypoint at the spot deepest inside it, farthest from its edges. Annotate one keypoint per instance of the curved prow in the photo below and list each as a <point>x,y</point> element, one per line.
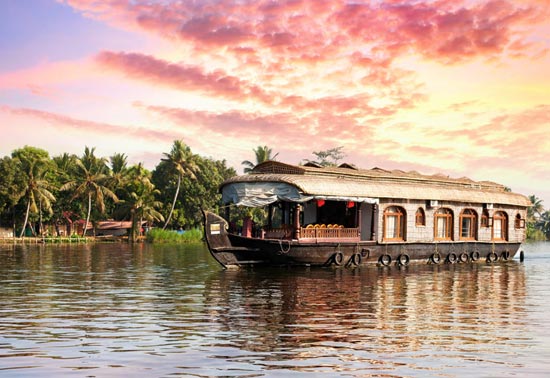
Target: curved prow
<point>215,233</point>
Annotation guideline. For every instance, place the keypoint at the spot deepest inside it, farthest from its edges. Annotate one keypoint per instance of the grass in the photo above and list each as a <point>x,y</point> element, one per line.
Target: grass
<point>157,235</point>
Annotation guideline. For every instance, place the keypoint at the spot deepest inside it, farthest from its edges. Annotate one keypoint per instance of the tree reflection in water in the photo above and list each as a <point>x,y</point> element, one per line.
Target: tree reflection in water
<point>156,311</point>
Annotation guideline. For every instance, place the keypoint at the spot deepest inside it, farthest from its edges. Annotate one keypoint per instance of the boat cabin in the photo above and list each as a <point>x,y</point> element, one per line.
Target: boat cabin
<point>344,204</point>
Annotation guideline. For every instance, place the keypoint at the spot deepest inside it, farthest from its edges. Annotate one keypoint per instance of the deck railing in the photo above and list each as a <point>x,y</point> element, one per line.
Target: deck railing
<point>328,233</point>
<point>313,233</point>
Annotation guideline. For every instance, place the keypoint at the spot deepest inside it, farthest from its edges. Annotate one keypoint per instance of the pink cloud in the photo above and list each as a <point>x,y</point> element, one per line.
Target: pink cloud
<point>63,123</point>
<point>219,83</point>
<point>443,30</point>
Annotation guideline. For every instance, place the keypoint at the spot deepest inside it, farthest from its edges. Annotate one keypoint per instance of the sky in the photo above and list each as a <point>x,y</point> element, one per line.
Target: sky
<point>459,87</point>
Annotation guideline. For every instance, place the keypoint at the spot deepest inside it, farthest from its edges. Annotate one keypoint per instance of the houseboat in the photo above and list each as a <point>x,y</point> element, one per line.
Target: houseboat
<point>344,216</point>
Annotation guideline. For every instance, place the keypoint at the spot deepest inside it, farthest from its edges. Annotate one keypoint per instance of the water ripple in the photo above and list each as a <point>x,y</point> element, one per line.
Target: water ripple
<point>111,310</point>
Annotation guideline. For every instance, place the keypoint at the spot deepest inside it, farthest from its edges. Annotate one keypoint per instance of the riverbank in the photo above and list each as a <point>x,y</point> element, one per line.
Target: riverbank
<point>154,236</point>
<point>64,240</point>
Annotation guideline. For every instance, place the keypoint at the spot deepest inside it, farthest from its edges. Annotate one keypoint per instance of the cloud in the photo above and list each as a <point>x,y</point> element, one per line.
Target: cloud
<point>63,124</point>
<point>179,76</point>
<point>446,31</point>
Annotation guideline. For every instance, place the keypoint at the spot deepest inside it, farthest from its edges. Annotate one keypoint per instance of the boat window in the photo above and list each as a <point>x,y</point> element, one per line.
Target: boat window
<point>500,226</point>
<point>420,217</point>
<point>468,224</point>
<point>394,224</point>
<point>443,224</point>
<point>519,223</point>
<point>485,218</point>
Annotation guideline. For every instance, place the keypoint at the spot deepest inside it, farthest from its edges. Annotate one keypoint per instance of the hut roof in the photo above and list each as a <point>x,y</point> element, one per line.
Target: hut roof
<point>379,183</point>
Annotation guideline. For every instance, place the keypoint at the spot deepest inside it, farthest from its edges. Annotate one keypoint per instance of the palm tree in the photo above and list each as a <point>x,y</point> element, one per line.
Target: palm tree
<point>536,209</point>
<point>118,173</point>
<point>140,200</point>
<point>262,154</point>
<point>543,223</point>
<point>90,182</point>
<point>183,162</point>
<point>33,164</point>
<point>37,191</point>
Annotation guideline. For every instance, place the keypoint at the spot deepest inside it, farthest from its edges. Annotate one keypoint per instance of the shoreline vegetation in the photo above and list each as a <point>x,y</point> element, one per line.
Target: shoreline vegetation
<point>155,236</point>
<point>68,198</point>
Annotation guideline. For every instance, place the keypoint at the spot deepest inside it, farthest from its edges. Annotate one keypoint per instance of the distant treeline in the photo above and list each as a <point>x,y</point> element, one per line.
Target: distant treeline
<point>39,193</point>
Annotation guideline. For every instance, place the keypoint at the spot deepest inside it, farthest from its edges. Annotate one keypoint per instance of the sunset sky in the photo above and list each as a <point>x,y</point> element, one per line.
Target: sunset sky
<point>460,87</point>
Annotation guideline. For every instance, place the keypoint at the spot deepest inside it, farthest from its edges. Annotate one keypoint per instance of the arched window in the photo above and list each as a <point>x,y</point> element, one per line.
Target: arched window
<point>443,224</point>
<point>420,217</point>
<point>468,224</point>
<point>500,226</point>
<point>394,224</point>
<point>519,223</point>
<point>485,218</point>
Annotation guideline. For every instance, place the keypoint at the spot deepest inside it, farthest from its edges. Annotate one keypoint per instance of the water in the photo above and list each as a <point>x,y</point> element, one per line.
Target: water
<point>112,310</point>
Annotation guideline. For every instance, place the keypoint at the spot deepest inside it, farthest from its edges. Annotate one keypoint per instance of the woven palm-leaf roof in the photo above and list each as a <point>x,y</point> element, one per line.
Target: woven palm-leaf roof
<point>380,183</point>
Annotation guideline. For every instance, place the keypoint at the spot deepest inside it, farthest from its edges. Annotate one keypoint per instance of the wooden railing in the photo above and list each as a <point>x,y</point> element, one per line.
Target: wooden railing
<point>313,233</point>
<point>328,233</point>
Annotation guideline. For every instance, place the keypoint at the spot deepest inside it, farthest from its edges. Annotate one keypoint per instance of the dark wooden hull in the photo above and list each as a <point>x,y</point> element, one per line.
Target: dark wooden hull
<point>233,250</point>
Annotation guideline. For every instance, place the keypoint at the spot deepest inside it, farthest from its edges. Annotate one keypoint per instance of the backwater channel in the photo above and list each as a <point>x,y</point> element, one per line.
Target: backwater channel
<point>110,310</point>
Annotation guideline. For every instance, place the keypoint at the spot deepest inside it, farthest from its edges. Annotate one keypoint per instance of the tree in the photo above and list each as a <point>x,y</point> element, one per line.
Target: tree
<point>202,192</point>
<point>119,170</point>
<point>63,207</point>
<point>139,202</point>
<point>33,165</point>
<point>11,189</point>
<point>183,164</point>
<point>90,182</point>
<point>328,158</point>
<point>543,223</point>
<point>536,208</point>
<point>262,154</point>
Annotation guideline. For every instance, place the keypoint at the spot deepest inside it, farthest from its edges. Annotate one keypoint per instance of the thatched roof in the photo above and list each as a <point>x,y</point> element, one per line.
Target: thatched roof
<point>379,183</point>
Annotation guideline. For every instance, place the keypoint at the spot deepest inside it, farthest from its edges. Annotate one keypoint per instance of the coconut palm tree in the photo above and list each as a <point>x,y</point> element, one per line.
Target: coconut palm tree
<point>139,203</point>
<point>536,209</point>
<point>263,153</point>
<point>543,223</point>
<point>90,182</point>
<point>33,165</point>
<point>183,162</point>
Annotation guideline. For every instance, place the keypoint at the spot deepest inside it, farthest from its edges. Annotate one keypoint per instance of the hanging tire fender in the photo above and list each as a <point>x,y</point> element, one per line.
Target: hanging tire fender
<point>385,260</point>
<point>338,258</point>
<point>435,258</point>
<point>452,258</point>
<point>404,259</point>
<point>492,257</point>
<point>356,259</point>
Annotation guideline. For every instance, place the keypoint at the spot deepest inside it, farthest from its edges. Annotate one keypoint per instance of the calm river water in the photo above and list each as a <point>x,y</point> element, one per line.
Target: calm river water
<point>146,311</point>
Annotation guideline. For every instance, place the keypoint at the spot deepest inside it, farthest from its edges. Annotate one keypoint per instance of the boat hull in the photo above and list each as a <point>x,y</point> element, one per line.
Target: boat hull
<point>234,250</point>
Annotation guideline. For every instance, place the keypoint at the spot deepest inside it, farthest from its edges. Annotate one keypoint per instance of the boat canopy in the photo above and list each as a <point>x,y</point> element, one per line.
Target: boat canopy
<point>259,194</point>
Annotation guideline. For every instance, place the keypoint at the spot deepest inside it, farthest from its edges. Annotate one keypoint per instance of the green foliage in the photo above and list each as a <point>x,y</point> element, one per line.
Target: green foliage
<point>183,165</point>
<point>534,234</point>
<point>262,154</point>
<point>67,188</point>
<point>158,235</point>
<point>33,165</point>
<point>538,220</point>
<point>200,191</point>
<point>90,182</point>
<point>11,189</point>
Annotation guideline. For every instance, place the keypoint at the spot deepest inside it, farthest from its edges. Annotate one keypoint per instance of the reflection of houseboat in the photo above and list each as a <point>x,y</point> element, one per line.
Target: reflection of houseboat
<point>345,216</point>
